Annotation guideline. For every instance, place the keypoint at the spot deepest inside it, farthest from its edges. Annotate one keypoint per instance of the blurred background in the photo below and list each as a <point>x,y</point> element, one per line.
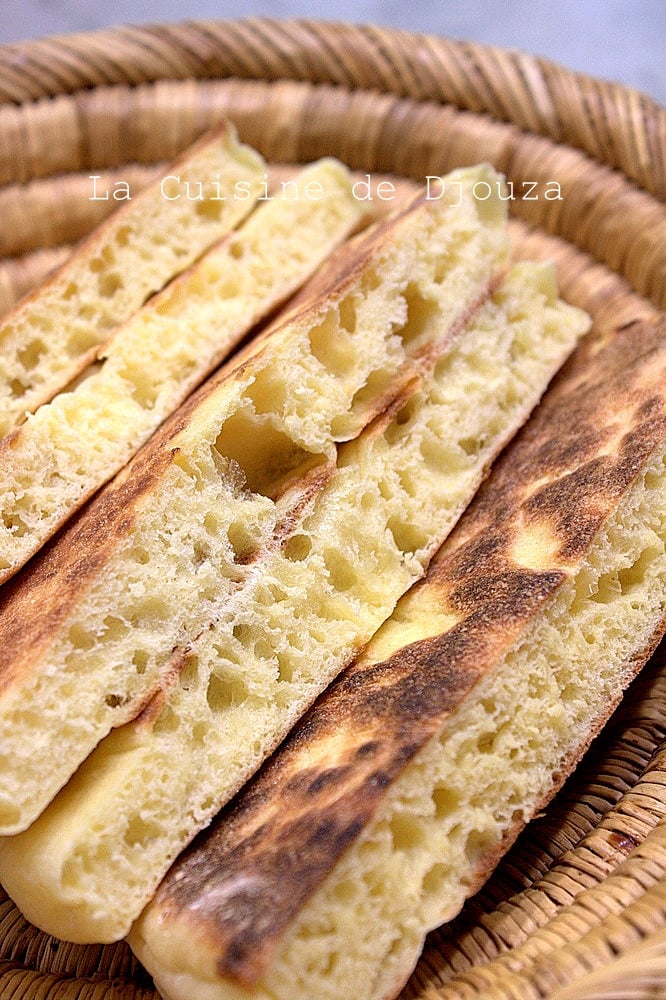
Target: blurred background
<point>621,40</point>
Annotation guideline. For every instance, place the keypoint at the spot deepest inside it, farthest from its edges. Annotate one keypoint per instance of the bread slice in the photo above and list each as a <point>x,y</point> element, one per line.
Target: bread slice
<point>308,602</point>
<point>56,331</point>
<point>90,627</point>
<point>70,447</point>
<point>395,796</point>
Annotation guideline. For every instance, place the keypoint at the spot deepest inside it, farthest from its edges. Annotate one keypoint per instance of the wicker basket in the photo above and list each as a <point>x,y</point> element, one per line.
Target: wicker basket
<point>578,908</point>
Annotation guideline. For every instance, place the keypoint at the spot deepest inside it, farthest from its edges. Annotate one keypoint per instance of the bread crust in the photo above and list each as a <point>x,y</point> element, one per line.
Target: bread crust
<point>153,561</point>
<point>558,483</point>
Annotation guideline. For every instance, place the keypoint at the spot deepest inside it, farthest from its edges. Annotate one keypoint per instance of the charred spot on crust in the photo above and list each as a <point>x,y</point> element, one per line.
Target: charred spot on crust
<point>509,592</point>
<point>332,776</point>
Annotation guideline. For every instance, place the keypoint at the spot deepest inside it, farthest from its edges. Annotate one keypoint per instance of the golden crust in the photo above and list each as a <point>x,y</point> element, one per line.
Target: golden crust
<point>523,535</point>
<point>49,586</point>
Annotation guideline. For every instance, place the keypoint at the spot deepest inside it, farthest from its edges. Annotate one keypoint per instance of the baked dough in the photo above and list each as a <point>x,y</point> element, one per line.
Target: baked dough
<point>96,624</point>
<point>56,331</point>
<point>394,797</point>
<point>71,446</point>
<point>301,606</point>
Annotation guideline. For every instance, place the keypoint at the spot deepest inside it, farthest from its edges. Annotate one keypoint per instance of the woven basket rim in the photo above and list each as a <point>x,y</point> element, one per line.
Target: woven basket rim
<point>148,28</point>
<point>534,71</point>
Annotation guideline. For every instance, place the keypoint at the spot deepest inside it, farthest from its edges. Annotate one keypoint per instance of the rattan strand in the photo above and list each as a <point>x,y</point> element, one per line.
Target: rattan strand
<point>615,125</point>
<point>556,187</point>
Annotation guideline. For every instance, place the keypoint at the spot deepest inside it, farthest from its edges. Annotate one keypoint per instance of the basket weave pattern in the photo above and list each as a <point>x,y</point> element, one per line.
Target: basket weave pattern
<point>578,907</point>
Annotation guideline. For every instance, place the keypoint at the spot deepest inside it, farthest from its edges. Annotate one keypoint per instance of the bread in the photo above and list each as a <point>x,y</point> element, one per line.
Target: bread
<point>302,606</point>
<point>394,797</point>
<point>71,446</point>
<point>95,623</point>
<point>56,331</point>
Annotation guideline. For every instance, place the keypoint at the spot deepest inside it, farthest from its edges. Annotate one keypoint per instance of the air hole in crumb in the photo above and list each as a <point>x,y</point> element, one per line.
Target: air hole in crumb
<point>347,312</point>
<point>397,428</point>
<point>285,667</point>
<point>106,258</point>
<point>408,537</point>
<point>445,800</point>
<point>199,733</point>
<point>341,572</point>
<point>219,693</point>
<point>31,353</point>
<point>123,236</point>
<point>114,628</point>
<point>434,879</point>
<point>139,832</point>
<point>143,388</point>
<point>486,742</point>
<point>80,637</point>
<point>263,650</point>
<point>368,501</point>
<point>371,280</point>
<point>116,700</point>
<point>608,589</point>
<point>470,445</point>
<point>212,523</point>
<point>140,661</point>
<point>422,318</point>
<point>188,676</point>
<point>297,547</point>
<point>200,552</point>
<point>81,340</point>
<point>209,208</point>
<point>17,388</point>
<point>109,284</point>
<point>139,554</point>
<point>242,632</point>
<point>406,832</point>
<point>267,458</point>
<point>346,891</point>
<point>167,721</point>
<point>14,524</point>
<point>241,540</point>
<point>634,576</point>
<point>150,608</point>
<point>268,391</point>
<point>368,400</point>
<point>332,346</point>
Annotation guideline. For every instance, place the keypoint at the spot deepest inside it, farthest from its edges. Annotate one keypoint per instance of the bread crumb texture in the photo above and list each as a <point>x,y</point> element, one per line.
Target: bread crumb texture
<point>292,614</point>
<point>540,613</point>
<point>54,333</point>
<point>71,446</point>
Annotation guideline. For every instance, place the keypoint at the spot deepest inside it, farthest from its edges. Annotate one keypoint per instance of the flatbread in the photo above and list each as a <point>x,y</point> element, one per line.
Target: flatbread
<point>63,453</point>
<point>56,331</point>
<point>306,604</point>
<point>92,627</point>
<point>395,796</point>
